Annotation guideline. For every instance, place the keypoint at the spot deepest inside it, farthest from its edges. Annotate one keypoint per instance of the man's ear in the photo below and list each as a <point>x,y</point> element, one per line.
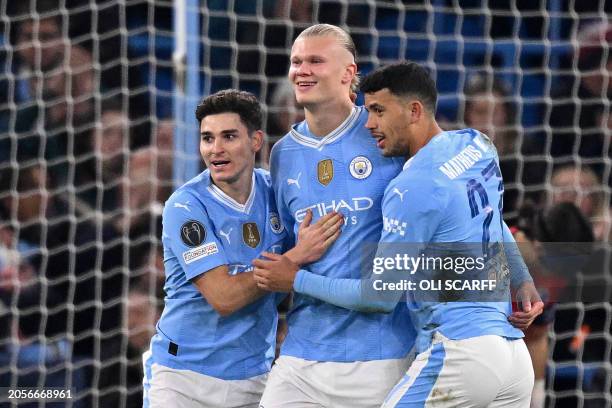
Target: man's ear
<point>349,73</point>
<point>416,111</point>
<point>257,140</point>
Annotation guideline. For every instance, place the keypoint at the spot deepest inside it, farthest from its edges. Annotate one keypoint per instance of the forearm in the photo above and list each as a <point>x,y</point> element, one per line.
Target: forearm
<point>346,293</point>
<point>519,274</point>
<point>238,291</point>
<point>228,293</point>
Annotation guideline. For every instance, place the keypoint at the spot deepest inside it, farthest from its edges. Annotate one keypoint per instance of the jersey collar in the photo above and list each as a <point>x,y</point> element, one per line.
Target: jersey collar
<point>320,142</point>
<point>228,201</point>
<point>408,162</point>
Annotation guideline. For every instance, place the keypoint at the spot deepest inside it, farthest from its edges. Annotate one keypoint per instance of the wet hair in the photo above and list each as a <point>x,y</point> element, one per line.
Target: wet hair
<point>242,103</point>
<point>343,38</point>
<point>404,79</point>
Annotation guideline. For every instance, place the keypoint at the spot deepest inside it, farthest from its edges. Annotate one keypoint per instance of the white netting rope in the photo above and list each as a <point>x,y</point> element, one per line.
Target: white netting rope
<point>90,136</point>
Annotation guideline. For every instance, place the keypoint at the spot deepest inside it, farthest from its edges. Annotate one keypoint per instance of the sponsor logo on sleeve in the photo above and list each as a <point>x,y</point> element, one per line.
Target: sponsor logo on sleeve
<point>200,252</point>
<point>193,233</point>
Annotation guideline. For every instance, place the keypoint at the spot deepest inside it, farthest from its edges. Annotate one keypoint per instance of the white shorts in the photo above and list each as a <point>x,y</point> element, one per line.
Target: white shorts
<point>168,387</point>
<point>299,383</point>
<point>486,371</point>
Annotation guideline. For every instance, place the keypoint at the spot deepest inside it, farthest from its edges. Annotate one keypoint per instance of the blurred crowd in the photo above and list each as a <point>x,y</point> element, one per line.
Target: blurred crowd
<point>86,156</point>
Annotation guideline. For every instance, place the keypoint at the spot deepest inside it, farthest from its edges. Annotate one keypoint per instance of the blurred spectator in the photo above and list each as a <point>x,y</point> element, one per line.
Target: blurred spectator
<point>104,165</point>
<point>27,343</point>
<point>55,89</point>
<point>576,104</point>
<point>283,113</point>
<point>581,186</point>
<point>490,108</point>
<point>142,314</point>
<point>147,186</point>
<point>296,11</point>
<point>164,136</point>
<point>284,110</point>
<point>540,235</point>
<point>80,262</point>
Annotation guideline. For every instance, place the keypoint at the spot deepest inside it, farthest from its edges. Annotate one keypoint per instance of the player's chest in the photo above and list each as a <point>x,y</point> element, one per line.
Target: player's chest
<point>335,180</point>
<point>244,236</point>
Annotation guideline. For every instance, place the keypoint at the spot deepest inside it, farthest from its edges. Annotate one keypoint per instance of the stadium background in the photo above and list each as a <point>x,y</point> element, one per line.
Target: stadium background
<point>97,126</point>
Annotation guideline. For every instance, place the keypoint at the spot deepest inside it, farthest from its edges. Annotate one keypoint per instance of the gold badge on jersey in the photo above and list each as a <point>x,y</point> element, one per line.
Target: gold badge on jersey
<point>325,171</point>
<point>250,234</point>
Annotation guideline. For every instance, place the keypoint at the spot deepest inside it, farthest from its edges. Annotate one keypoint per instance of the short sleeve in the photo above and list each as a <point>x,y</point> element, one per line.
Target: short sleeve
<point>188,235</point>
<point>413,207</point>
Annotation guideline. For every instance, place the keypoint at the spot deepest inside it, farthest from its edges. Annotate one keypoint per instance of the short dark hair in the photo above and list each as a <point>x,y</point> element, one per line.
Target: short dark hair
<point>245,104</point>
<point>403,79</point>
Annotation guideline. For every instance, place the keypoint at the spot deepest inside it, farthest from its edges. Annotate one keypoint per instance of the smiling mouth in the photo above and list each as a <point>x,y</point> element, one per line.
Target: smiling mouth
<point>305,84</point>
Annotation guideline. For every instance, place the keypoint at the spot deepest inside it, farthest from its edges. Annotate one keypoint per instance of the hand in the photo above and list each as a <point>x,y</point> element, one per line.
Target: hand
<point>275,274</point>
<point>313,240</point>
<point>531,306</point>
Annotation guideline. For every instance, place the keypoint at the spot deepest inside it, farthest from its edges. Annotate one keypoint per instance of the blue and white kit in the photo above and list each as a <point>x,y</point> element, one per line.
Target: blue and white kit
<point>204,228</point>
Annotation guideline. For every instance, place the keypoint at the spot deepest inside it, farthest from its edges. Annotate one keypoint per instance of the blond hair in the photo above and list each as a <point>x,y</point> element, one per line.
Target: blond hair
<point>344,40</point>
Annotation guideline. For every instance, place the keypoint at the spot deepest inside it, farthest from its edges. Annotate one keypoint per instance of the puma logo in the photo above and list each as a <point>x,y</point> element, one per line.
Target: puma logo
<point>295,181</point>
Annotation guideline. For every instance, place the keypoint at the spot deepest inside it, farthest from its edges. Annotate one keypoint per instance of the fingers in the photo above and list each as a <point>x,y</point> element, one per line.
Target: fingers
<point>261,279</point>
<point>326,218</point>
<point>333,228</point>
<point>526,305</point>
<point>272,256</point>
<point>331,239</point>
<point>307,219</point>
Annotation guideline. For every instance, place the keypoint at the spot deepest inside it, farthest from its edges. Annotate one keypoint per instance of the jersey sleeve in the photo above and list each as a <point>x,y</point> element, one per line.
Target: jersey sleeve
<point>413,207</point>
<point>285,215</point>
<point>519,273</point>
<point>189,235</point>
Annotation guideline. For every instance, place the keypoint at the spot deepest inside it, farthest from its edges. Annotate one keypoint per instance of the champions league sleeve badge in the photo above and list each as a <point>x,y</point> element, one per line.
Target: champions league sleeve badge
<point>193,233</point>
<point>360,167</point>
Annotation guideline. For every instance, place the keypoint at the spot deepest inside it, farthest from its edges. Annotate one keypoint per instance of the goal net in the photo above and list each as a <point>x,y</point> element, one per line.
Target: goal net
<point>97,126</point>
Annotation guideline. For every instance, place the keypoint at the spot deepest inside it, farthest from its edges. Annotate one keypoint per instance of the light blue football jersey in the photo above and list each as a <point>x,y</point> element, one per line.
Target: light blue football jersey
<point>342,171</point>
<point>451,191</point>
<point>204,228</point>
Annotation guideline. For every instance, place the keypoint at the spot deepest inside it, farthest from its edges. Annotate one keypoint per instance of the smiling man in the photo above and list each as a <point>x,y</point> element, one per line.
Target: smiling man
<point>333,357</point>
<point>215,339</point>
<point>449,192</point>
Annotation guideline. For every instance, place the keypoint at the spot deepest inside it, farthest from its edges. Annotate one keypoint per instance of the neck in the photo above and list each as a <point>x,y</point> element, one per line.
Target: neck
<point>429,130</point>
<point>324,118</point>
<point>239,189</point>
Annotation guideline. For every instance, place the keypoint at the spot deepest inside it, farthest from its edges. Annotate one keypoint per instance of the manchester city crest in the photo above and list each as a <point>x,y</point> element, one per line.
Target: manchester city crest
<point>275,223</point>
<point>250,234</point>
<point>360,167</point>
<point>325,171</point>
<point>193,233</point>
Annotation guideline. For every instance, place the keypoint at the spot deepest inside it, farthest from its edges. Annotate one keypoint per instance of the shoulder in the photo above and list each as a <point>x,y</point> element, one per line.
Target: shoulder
<point>188,198</point>
<point>262,178</point>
